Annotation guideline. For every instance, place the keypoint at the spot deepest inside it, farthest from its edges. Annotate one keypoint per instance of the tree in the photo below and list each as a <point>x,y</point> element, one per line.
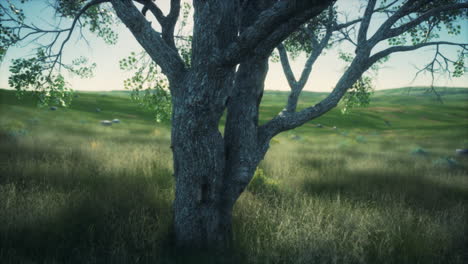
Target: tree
<point>224,70</point>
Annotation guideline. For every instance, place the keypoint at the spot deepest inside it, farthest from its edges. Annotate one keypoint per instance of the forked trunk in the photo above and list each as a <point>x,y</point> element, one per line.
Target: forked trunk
<point>211,171</point>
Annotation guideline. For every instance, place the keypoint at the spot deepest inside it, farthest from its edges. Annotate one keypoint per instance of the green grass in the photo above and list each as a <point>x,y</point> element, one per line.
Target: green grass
<point>73,191</point>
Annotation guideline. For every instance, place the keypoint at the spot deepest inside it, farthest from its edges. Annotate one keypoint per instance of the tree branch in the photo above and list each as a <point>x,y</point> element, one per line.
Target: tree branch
<point>318,49</point>
<point>381,54</point>
<point>171,21</point>
<point>385,31</point>
<point>167,22</point>
<point>72,27</point>
<point>297,86</point>
<point>153,8</point>
<point>288,120</point>
<point>402,11</point>
<point>405,27</point>
<point>286,66</point>
<point>362,34</point>
<point>271,28</point>
<point>158,49</point>
<point>357,20</point>
<point>318,46</point>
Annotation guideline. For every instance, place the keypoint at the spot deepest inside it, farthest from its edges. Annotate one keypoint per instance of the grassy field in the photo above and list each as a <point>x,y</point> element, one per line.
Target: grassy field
<point>385,186</point>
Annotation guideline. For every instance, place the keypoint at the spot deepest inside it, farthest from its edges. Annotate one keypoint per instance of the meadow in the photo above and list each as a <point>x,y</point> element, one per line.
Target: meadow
<point>384,186</point>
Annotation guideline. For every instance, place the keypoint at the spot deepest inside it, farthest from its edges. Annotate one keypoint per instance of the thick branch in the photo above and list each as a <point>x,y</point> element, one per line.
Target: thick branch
<point>266,46</point>
<point>167,22</point>
<point>271,28</point>
<point>401,12</point>
<point>153,8</point>
<point>289,120</point>
<point>159,50</point>
<point>174,12</point>
<point>171,20</point>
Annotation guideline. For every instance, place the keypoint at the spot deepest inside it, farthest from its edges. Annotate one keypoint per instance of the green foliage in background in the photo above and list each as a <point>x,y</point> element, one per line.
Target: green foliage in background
<point>429,30</point>
<point>99,19</point>
<point>300,41</point>
<point>149,87</point>
<point>43,73</point>
<point>29,74</point>
<point>359,95</point>
<point>459,65</point>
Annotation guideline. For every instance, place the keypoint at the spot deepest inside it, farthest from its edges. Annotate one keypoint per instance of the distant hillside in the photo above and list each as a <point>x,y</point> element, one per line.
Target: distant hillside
<point>416,90</point>
<point>423,90</point>
<point>389,110</point>
<point>278,96</point>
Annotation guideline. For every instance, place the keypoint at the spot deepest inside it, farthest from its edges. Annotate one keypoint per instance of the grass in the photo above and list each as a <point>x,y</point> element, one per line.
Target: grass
<point>378,189</point>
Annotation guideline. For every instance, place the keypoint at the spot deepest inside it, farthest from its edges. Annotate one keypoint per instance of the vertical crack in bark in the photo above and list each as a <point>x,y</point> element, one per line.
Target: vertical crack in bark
<point>205,188</point>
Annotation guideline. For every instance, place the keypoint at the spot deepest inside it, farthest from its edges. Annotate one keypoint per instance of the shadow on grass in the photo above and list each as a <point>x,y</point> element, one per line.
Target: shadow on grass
<point>135,135</point>
<point>80,214</point>
<point>367,216</point>
<point>380,188</point>
<point>341,157</point>
<point>84,214</point>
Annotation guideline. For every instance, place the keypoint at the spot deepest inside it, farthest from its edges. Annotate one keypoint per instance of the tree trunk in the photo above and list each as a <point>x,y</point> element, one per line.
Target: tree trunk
<point>211,171</point>
<point>202,218</point>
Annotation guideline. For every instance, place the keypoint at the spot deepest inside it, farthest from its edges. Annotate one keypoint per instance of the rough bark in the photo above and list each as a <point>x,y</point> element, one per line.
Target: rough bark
<point>241,139</point>
<point>271,26</point>
<point>241,135</point>
<point>211,171</point>
<point>201,217</point>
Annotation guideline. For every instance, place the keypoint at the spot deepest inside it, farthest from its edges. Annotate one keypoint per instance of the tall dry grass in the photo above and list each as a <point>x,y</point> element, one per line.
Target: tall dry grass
<point>77,192</point>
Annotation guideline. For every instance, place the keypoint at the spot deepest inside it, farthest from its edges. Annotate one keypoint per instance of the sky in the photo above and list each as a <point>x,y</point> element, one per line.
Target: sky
<point>399,71</point>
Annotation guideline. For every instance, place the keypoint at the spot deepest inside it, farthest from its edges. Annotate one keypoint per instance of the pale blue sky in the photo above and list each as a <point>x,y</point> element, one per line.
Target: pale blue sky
<point>397,72</point>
